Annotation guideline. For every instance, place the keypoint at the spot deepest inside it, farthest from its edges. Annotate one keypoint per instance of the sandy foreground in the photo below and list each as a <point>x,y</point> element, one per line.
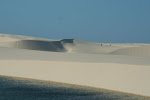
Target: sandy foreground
<point>121,77</point>
<point>118,67</point>
<point>15,88</point>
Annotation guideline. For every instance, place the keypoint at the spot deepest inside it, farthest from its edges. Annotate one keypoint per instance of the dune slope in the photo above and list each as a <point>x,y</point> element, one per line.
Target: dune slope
<point>118,67</point>
<point>73,46</point>
<point>13,88</point>
<point>135,51</point>
<point>120,77</point>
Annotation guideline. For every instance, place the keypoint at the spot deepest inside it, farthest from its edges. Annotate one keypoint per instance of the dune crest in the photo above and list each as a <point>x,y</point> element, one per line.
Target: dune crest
<point>113,66</point>
<point>73,46</point>
<point>134,51</point>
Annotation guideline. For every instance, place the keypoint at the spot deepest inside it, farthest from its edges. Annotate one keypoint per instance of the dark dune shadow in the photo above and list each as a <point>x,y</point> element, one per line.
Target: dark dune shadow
<point>54,46</point>
<point>67,40</point>
<point>12,88</point>
<point>41,45</point>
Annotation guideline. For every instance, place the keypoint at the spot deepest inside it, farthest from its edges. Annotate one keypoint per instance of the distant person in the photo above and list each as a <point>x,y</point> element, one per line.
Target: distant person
<point>101,44</point>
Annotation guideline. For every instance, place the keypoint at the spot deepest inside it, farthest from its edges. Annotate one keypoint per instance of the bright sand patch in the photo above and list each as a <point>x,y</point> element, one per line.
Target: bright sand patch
<point>121,77</point>
<point>121,67</point>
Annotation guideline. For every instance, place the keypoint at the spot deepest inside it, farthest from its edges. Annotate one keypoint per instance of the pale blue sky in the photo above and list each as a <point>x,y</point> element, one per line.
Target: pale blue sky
<point>90,20</point>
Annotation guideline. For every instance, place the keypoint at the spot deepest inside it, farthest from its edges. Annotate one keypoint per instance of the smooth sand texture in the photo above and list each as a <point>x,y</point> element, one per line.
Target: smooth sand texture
<point>14,88</point>
<point>121,77</point>
<point>138,51</point>
<point>121,67</point>
<point>73,46</point>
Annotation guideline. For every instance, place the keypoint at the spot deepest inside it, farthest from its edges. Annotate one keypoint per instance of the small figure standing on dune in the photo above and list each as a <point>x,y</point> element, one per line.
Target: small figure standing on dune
<point>101,44</point>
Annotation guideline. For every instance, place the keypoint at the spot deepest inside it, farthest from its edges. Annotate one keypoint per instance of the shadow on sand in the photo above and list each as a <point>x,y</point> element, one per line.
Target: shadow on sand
<point>12,88</point>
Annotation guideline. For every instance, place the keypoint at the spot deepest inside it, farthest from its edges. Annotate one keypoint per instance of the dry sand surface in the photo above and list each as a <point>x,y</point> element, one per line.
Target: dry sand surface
<point>117,67</point>
<point>14,88</point>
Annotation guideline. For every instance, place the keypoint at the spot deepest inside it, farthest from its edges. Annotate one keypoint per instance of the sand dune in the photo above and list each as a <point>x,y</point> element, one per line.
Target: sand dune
<point>13,88</point>
<point>55,46</point>
<point>134,51</point>
<point>119,67</point>
<point>121,77</point>
<point>73,46</point>
<point>24,54</point>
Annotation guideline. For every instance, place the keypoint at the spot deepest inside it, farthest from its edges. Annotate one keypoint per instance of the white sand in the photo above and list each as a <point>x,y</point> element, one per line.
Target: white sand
<point>78,62</point>
<point>122,77</point>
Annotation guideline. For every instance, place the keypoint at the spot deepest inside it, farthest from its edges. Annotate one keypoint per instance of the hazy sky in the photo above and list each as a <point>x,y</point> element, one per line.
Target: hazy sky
<point>90,20</point>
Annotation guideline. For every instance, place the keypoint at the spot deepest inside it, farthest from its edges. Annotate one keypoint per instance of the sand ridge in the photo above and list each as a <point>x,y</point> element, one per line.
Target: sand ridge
<point>53,90</point>
<point>118,67</point>
<point>73,46</point>
<point>122,77</point>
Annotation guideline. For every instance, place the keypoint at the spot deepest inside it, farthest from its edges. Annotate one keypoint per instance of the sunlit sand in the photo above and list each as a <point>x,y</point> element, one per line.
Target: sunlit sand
<point>112,66</point>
